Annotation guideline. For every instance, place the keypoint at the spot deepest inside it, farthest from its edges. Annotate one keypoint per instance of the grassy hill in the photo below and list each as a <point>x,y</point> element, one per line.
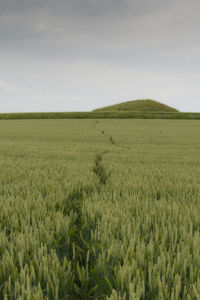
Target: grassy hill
<point>138,109</point>
<point>146,105</point>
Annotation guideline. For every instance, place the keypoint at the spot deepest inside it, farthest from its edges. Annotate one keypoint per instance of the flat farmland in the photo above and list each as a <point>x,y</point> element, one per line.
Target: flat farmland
<point>99,209</point>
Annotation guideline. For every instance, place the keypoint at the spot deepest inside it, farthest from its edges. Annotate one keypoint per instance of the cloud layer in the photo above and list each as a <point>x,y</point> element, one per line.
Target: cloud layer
<point>81,54</point>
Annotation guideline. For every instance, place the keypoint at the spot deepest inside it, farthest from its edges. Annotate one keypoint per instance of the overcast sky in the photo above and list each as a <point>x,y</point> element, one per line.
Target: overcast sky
<point>76,55</point>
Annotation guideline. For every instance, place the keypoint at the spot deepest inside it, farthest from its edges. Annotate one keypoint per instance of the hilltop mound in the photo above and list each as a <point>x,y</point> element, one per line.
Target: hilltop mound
<point>146,105</point>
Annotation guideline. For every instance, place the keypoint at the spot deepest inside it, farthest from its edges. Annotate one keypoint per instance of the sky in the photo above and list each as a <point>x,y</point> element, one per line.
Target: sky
<point>78,55</point>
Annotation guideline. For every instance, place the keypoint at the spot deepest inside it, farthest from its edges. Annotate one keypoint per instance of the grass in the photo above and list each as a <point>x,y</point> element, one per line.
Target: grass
<point>99,209</point>
<point>146,105</point>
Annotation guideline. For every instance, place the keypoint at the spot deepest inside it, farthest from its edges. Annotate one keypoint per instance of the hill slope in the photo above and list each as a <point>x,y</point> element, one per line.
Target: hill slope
<point>146,105</point>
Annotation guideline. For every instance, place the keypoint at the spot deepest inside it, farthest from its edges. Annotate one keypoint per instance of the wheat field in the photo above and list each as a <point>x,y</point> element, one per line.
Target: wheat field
<point>99,209</point>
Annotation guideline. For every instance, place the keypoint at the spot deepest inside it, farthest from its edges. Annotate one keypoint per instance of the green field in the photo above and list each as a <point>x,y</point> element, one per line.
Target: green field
<point>99,209</point>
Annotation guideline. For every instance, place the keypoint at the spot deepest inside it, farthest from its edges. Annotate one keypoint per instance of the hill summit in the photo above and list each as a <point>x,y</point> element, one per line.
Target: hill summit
<point>146,105</point>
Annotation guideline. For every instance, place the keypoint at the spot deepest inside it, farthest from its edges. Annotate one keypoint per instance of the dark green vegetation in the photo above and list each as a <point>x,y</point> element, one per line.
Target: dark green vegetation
<point>102,115</point>
<point>146,105</point>
<point>99,209</point>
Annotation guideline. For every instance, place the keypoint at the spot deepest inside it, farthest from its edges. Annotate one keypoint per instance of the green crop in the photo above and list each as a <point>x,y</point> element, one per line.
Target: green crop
<point>99,209</point>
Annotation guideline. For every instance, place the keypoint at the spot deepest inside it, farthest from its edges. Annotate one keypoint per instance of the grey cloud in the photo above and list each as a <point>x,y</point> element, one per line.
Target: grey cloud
<point>106,25</point>
<point>78,7</point>
<point>20,17</point>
